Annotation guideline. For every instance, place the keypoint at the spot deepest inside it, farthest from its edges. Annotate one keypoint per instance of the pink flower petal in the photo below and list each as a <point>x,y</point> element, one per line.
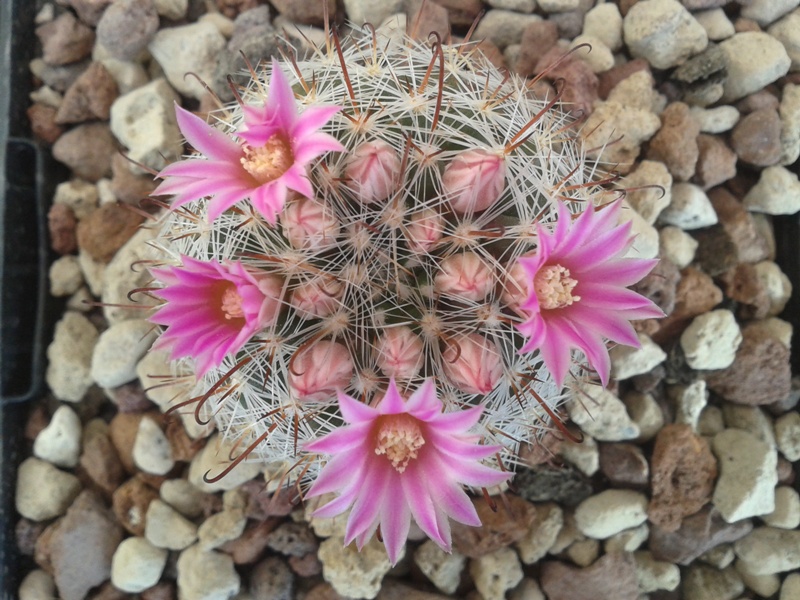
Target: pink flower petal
<point>312,119</point>
<point>421,504</point>
<point>204,138</point>
<point>392,402</point>
<point>395,521</point>
<point>354,411</point>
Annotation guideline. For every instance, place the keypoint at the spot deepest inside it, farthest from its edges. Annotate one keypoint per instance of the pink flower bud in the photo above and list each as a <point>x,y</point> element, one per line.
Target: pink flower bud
<point>319,371</point>
<point>272,288</point>
<point>373,171</point>
<point>424,230</point>
<point>465,276</point>
<point>515,287</point>
<point>307,224</point>
<point>319,297</point>
<point>400,353</point>
<point>474,180</point>
<point>472,363</point>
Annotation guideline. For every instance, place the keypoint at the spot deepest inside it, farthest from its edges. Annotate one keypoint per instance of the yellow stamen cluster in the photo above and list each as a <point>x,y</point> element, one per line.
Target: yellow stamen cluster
<point>399,439</point>
<point>268,162</point>
<point>553,287</point>
<point>232,304</point>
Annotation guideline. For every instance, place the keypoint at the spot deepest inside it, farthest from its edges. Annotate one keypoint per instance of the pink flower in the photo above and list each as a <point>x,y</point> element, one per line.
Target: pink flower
<point>474,180</point>
<point>276,146</point>
<point>577,293</point>
<point>473,363</point>
<point>212,309</point>
<point>372,171</point>
<point>319,371</point>
<point>402,459</point>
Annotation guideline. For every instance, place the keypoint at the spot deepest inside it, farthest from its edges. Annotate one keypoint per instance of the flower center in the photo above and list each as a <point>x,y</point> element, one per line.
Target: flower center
<point>232,304</point>
<point>268,162</point>
<point>553,287</point>
<point>399,439</point>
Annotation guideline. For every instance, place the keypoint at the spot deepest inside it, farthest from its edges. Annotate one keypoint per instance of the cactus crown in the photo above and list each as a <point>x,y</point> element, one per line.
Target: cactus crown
<point>402,262</point>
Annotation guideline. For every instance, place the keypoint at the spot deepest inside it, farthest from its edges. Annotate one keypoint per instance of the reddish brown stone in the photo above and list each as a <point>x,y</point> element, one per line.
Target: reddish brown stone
<point>61,223</point>
<point>624,465</point>
<point>760,373</point>
<point>462,13</point>
<point>232,8</point>
<point>675,144</point>
<point>130,503</point>
<point>183,447</point>
<point>742,25</point>
<point>498,529</point>
<point>537,40</point>
<point>107,591</point>
<point>101,464</point>
<point>743,285</point>
<point>683,471</point>
<point>65,40</point>
<point>38,419</point>
<point>306,13</point>
<point>492,53</point>
<point>756,138</point>
<point>716,163</point>
<point>579,82</point>
<point>90,11</point>
<point>740,227</point>
<point>164,590</point>
<point>660,285</point>
<point>785,472</point>
<point>292,539</point>
<point>262,504</point>
<point>90,97</point>
<point>425,17</point>
<point>126,186</point>
<point>122,431</point>
<point>694,295</point>
<point>130,397</point>
<point>82,545</point>
<point>761,100</point>
<point>323,591</point>
<point>611,576</point>
<point>43,122</point>
<point>305,566</point>
<point>106,230</point>
<point>608,80</point>
<point>41,553</point>
<point>26,533</point>
<point>697,534</point>
<point>251,545</point>
<point>87,150</point>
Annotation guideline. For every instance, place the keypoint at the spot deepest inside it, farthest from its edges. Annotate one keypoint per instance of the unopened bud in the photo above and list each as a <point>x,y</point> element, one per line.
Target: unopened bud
<point>400,353</point>
<point>424,230</point>
<point>308,225</point>
<point>516,287</point>
<point>472,363</point>
<point>465,276</point>
<point>272,288</point>
<point>318,297</point>
<point>319,371</point>
<point>474,180</point>
<point>373,171</point>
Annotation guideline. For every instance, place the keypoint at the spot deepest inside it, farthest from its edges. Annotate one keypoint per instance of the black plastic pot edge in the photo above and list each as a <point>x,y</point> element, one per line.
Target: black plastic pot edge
<point>27,179</point>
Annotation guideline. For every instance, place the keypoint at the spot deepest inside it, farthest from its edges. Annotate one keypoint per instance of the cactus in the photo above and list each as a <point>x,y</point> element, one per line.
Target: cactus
<point>385,202</point>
